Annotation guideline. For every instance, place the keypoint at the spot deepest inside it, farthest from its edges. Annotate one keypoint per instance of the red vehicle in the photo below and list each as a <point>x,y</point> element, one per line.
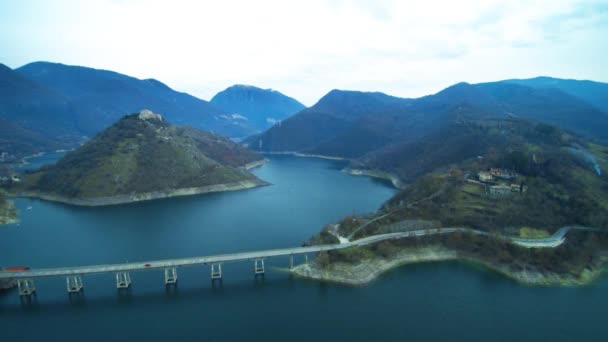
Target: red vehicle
<point>16,268</point>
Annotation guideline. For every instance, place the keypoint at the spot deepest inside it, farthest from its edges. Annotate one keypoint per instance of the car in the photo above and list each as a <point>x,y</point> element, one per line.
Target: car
<point>147,265</point>
<point>16,268</point>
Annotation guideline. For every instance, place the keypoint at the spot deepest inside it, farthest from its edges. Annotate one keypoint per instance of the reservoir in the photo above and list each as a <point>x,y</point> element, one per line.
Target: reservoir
<point>443,301</point>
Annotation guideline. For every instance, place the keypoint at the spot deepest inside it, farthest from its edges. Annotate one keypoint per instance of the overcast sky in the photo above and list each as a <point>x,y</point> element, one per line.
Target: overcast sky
<point>306,48</point>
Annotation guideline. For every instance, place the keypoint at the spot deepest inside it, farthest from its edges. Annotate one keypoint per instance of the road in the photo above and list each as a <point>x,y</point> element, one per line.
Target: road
<point>550,242</point>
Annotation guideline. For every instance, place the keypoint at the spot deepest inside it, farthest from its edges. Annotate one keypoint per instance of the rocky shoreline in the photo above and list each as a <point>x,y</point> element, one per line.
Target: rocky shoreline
<point>7,284</point>
<point>255,164</point>
<point>123,199</point>
<point>376,174</point>
<point>8,213</point>
<point>366,271</point>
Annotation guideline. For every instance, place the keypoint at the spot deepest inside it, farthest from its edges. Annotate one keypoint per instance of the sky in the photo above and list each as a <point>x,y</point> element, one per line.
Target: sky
<point>307,48</point>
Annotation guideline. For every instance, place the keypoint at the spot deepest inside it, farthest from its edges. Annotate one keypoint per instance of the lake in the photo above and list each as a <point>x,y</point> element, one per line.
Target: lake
<point>442,301</point>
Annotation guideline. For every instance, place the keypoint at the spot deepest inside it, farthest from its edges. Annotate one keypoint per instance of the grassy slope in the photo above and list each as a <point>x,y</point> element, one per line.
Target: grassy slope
<point>563,189</point>
<point>138,156</point>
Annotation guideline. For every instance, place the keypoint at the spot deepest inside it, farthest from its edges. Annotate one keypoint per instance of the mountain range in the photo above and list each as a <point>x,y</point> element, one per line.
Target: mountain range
<point>46,106</point>
<point>376,130</point>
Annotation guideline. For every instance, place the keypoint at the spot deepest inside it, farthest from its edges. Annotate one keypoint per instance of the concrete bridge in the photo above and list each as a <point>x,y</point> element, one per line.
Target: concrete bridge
<point>74,282</point>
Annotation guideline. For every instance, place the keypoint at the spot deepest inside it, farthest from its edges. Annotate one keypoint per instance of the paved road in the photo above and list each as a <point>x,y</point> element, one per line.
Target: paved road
<point>550,242</point>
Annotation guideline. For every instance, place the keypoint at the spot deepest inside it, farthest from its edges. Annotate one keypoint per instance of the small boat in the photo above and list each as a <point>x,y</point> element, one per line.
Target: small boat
<point>29,208</point>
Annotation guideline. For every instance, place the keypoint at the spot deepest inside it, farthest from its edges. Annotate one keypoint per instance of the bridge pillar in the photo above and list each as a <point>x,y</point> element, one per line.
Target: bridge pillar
<point>170,276</point>
<point>74,284</point>
<point>26,287</point>
<point>306,258</point>
<point>123,280</point>
<point>216,271</point>
<point>258,266</point>
<point>290,261</point>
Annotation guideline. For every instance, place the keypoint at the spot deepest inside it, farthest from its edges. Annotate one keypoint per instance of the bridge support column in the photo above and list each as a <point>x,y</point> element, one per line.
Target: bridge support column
<point>290,261</point>
<point>123,280</point>
<point>170,276</point>
<point>26,287</point>
<point>306,258</point>
<point>74,284</point>
<point>216,271</point>
<point>258,266</point>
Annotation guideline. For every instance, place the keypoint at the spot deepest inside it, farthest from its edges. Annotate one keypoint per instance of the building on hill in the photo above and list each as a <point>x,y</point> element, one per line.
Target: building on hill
<point>500,190</point>
<point>502,173</point>
<point>484,176</point>
<point>146,114</point>
<point>519,188</point>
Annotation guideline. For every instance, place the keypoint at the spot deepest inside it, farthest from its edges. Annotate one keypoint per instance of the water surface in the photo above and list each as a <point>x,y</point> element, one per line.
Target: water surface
<point>446,301</point>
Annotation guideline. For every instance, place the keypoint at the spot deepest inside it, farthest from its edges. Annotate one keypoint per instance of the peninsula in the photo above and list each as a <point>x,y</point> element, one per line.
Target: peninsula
<point>142,157</point>
<point>525,181</point>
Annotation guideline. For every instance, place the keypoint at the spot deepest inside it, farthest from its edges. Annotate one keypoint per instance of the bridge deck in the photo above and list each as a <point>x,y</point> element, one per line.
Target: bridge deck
<point>170,263</point>
<point>550,242</point>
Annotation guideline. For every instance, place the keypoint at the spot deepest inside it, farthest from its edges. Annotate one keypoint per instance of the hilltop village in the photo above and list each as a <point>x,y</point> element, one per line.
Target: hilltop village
<point>499,182</point>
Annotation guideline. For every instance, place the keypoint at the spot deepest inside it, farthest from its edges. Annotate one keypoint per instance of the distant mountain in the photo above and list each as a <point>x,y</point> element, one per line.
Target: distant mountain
<point>258,108</point>
<point>142,157</point>
<point>596,93</point>
<point>17,142</point>
<point>352,124</point>
<point>342,123</point>
<point>100,97</point>
<point>32,116</point>
<point>549,105</point>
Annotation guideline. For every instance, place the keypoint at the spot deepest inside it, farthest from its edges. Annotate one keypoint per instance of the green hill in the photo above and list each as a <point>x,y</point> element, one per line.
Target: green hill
<point>564,176</point>
<point>143,157</point>
<point>542,179</point>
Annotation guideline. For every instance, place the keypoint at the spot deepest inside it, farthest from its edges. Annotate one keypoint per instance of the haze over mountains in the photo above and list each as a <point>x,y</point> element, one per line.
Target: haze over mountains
<point>46,106</point>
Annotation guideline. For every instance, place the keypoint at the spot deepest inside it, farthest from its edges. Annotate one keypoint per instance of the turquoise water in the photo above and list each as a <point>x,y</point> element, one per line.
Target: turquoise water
<point>446,301</point>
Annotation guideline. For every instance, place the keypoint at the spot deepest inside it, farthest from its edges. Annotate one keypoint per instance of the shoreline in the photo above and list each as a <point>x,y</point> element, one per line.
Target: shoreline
<point>304,155</point>
<point>395,181</point>
<point>255,164</point>
<point>43,153</point>
<point>364,272</point>
<point>147,196</point>
<point>376,174</point>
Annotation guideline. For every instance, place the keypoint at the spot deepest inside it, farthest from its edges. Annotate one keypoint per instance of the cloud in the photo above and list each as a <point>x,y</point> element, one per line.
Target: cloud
<point>304,49</point>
